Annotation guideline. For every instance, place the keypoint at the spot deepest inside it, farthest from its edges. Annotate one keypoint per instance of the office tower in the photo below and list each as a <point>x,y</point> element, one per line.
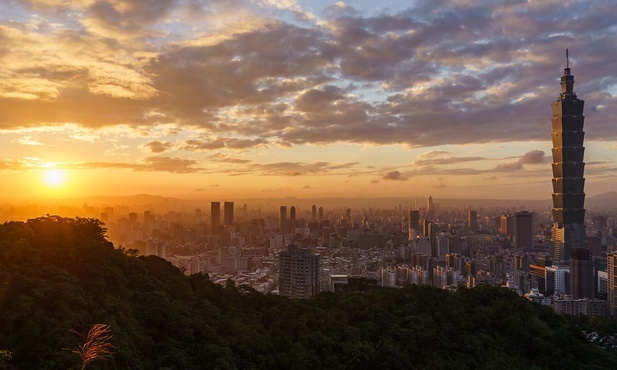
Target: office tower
<point>472,220</point>
<point>298,273</point>
<point>133,218</point>
<point>611,289</point>
<point>568,167</point>
<point>442,246</point>
<point>414,220</point>
<point>215,214</point>
<point>504,224</point>
<point>320,215</point>
<point>228,209</point>
<point>430,208</point>
<point>283,219</point>
<point>292,219</point>
<point>557,279</point>
<point>523,230</point>
<point>314,213</point>
<point>581,274</point>
<point>148,217</point>
<point>348,214</point>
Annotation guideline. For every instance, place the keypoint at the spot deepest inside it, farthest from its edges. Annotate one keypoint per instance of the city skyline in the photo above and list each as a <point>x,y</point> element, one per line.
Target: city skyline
<point>256,99</point>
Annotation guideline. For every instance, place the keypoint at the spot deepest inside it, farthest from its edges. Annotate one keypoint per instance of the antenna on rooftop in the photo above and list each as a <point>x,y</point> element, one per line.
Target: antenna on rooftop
<point>567,59</point>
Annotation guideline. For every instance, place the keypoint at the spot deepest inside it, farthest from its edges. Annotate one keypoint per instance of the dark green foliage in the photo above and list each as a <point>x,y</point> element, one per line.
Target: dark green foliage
<point>59,274</point>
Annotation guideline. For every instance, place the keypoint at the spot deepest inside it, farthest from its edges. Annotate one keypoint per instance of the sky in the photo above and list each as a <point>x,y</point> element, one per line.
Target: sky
<point>233,99</point>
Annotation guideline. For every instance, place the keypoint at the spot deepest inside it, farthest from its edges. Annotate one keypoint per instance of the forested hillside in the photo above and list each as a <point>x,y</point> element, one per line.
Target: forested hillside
<point>59,274</point>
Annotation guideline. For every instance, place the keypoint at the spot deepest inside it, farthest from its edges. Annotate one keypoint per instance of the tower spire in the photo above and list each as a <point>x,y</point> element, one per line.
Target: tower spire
<point>567,80</point>
<point>566,71</point>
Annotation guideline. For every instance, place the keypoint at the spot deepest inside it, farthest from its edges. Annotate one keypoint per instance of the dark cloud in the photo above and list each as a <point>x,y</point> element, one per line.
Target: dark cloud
<point>395,175</point>
<point>531,157</point>
<point>437,73</point>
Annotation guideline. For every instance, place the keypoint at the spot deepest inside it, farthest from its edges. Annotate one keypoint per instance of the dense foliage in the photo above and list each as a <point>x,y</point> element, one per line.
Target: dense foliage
<point>59,274</point>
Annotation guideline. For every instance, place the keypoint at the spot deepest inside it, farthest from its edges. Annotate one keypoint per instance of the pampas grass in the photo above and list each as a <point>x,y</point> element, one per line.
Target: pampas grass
<point>96,345</point>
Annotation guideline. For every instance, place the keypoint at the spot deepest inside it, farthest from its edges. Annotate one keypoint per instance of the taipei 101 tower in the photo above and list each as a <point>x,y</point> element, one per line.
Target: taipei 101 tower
<point>568,168</point>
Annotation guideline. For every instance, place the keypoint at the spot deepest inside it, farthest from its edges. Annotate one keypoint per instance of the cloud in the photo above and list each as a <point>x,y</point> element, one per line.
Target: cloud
<point>169,164</point>
<point>220,158</point>
<point>29,140</point>
<point>442,158</point>
<point>158,146</point>
<point>531,157</point>
<point>437,73</point>
<point>148,164</point>
<point>395,175</point>
<point>223,143</point>
<point>296,168</point>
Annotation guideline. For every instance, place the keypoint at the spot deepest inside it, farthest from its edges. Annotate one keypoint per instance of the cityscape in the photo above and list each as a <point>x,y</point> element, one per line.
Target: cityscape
<point>295,184</point>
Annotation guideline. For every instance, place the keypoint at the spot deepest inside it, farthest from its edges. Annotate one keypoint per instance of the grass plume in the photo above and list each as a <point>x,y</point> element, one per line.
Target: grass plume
<point>96,345</point>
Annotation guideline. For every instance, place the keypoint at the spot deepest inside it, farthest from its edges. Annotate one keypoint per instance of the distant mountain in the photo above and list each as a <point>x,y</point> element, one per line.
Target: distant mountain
<point>604,200</point>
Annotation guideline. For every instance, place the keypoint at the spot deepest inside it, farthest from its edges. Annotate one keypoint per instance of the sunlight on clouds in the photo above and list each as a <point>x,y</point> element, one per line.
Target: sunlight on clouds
<point>29,140</point>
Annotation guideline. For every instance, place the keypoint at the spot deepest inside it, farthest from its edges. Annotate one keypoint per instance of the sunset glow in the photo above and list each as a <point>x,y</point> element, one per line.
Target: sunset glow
<point>252,99</point>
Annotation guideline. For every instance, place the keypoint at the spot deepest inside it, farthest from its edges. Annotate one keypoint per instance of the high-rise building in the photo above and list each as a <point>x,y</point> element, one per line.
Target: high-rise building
<point>568,168</point>
<point>414,220</point>
<point>229,213</point>
<point>320,214</point>
<point>523,230</point>
<point>292,219</point>
<point>298,273</point>
<point>581,274</point>
<point>283,219</point>
<point>314,213</point>
<point>215,214</point>
<point>507,227</point>
<point>472,220</point>
<point>611,289</point>
<point>430,208</point>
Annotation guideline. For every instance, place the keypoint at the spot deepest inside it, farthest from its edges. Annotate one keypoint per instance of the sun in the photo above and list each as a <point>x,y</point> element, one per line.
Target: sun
<point>54,178</point>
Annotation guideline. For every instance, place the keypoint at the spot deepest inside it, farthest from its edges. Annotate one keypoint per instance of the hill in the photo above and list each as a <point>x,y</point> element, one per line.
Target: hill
<point>59,274</point>
<point>604,200</point>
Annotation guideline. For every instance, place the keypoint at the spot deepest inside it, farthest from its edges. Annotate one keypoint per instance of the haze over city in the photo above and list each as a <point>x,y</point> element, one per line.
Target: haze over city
<point>259,99</point>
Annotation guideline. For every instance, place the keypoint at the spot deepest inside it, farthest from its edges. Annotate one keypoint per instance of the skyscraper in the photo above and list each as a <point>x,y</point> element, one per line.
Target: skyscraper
<point>611,290</point>
<point>414,220</point>
<point>292,219</point>
<point>568,167</point>
<point>581,274</point>
<point>522,235</point>
<point>215,214</point>
<point>229,213</point>
<point>283,219</point>
<point>298,273</point>
<point>472,220</point>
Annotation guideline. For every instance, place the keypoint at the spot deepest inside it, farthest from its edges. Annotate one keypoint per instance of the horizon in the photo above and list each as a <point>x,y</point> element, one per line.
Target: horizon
<point>308,99</point>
